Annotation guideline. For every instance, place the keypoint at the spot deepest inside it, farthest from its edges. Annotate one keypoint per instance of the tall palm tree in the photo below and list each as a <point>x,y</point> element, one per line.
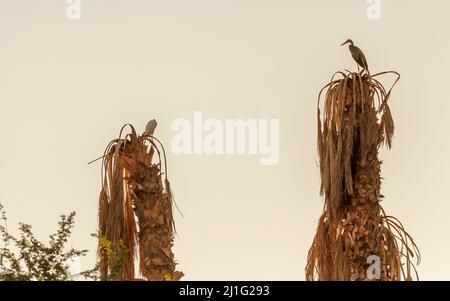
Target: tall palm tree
<point>353,226</point>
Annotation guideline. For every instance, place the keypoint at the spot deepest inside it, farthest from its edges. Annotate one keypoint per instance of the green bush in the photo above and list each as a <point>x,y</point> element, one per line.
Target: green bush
<point>25,258</point>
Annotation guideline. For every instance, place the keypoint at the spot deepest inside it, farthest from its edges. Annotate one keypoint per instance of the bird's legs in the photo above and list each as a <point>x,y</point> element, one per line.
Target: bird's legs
<point>360,72</point>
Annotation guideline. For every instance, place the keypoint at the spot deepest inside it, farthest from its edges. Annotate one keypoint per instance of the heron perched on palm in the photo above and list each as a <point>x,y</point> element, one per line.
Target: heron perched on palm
<point>357,55</point>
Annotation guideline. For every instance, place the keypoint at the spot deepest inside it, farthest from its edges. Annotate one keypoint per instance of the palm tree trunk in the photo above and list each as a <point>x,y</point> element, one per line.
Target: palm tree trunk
<point>153,207</point>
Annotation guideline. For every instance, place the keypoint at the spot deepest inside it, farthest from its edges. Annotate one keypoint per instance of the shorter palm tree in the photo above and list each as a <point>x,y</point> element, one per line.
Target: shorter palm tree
<point>135,188</point>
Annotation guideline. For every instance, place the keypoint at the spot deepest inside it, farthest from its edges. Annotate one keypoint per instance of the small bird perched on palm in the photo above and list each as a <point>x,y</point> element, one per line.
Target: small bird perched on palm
<point>150,128</point>
<point>357,55</point>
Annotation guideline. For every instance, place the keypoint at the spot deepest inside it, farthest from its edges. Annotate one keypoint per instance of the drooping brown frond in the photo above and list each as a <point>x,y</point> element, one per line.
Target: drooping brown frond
<point>114,209</point>
<point>356,120</point>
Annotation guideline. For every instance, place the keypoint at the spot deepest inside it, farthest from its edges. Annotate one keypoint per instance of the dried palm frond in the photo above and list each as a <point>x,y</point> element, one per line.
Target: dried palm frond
<point>137,189</point>
<point>353,226</point>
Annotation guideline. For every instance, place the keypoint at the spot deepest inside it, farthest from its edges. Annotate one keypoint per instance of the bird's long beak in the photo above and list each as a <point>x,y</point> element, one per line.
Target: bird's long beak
<point>344,43</point>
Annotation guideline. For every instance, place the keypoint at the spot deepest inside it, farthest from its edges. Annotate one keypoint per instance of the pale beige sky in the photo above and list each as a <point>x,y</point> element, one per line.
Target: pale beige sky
<point>66,87</point>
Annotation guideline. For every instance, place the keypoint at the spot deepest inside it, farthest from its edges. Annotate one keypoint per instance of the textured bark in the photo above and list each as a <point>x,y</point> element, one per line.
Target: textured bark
<point>363,231</point>
<point>153,207</point>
